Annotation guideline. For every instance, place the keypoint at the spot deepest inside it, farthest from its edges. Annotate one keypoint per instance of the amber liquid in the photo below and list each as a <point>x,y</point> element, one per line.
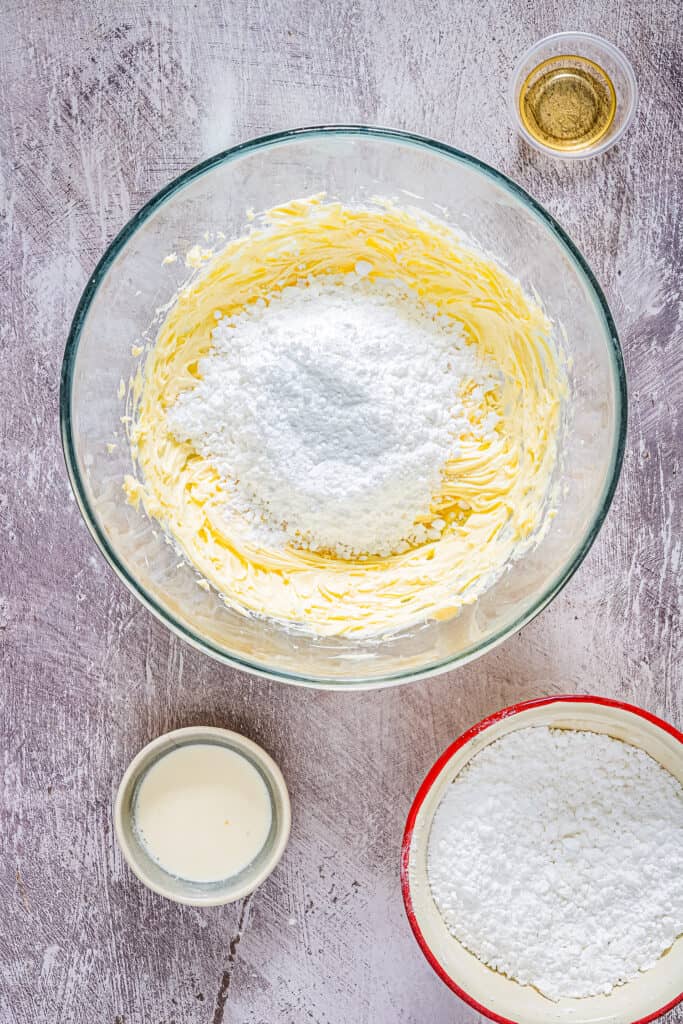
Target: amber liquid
<point>568,103</point>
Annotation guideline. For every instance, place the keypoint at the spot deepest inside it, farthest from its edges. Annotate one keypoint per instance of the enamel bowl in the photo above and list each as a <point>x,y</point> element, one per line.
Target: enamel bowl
<point>494,995</point>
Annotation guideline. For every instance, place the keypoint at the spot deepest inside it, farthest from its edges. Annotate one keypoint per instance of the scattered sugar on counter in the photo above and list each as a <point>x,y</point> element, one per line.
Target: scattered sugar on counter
<point>556,857</point>
<point>324,450</point>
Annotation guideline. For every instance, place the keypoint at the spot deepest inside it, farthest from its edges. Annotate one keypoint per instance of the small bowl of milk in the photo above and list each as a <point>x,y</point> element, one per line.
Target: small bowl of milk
<point>202,815</point>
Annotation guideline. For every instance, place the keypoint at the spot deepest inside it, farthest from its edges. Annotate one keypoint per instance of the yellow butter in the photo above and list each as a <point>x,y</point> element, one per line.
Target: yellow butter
<point>494,497</point>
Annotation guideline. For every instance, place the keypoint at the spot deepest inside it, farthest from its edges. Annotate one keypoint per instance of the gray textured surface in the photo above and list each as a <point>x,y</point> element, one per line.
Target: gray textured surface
<point>102,103</point>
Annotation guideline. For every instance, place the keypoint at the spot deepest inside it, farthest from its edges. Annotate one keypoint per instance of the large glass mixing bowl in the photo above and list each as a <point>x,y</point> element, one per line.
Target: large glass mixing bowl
<point>122,303</point>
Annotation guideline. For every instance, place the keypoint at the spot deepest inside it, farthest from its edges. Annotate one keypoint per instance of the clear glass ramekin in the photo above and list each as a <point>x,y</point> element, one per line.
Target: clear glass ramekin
<point>599,51</point>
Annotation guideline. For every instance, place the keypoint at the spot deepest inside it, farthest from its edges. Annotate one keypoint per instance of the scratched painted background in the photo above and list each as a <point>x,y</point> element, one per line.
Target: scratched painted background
<point>102,103</point>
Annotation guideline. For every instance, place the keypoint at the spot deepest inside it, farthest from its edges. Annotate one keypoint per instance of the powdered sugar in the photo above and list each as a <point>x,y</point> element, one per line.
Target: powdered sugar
<point>557,858</point>
<point>330,412</point>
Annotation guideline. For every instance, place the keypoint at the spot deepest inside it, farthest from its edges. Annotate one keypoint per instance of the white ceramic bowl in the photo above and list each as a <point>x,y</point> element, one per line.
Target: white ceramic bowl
<point>204,894</point>
<point>492,994</point>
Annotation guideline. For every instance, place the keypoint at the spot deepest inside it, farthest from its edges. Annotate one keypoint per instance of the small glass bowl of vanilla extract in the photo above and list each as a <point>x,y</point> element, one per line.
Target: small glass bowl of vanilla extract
<point>573,95</point>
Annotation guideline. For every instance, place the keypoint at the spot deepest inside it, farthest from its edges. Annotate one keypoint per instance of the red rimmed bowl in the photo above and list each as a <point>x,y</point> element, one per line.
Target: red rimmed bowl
<point>499,998</point>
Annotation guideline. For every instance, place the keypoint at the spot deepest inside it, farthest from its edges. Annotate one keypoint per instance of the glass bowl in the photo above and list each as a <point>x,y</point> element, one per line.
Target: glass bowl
<point>596,50</point>
<point>122,305</point>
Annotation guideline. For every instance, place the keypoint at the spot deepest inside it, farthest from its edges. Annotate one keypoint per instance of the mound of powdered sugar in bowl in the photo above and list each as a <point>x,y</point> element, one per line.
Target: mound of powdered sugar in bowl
<point>339,454</point>
<point>556,857</point>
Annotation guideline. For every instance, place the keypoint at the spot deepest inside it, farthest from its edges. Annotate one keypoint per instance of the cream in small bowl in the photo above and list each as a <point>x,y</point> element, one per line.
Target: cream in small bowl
<point>581,863</point>
<point>202,815</point>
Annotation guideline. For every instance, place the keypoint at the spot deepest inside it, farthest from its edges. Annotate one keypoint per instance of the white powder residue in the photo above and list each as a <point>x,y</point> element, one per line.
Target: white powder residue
<point>330,411</point>
<point>556,857</point>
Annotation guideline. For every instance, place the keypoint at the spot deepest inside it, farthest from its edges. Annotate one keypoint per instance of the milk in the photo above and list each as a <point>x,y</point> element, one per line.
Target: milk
<point>202,812</point>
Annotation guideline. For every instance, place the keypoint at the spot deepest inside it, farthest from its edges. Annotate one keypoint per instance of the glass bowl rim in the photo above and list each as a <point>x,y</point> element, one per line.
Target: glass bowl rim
<point>266,142</point>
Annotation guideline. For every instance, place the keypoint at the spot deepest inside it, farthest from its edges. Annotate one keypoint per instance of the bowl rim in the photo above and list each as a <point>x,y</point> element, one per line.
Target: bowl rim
<point>187,736</point>
<point>253,665</point>
<point>426,786</point>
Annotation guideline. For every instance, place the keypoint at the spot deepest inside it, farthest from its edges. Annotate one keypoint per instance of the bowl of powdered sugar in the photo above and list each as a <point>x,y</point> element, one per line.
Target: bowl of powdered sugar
<point>542,864</point>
